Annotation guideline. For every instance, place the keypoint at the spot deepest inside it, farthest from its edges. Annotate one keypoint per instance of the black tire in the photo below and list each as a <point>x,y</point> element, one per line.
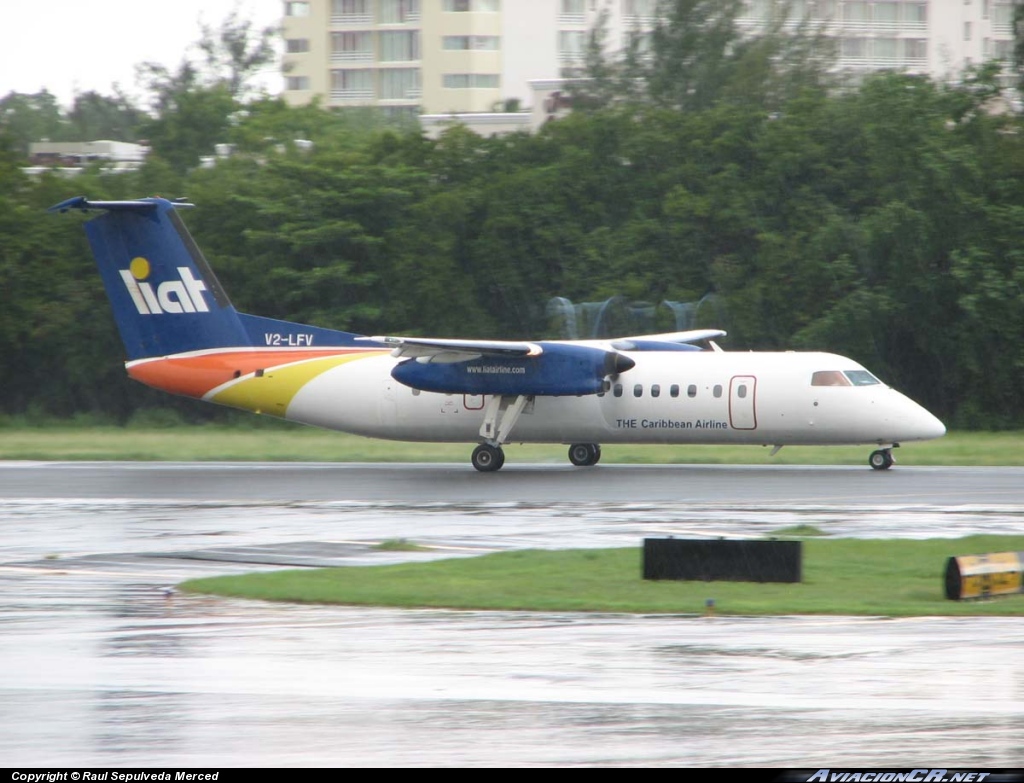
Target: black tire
<point>488,459</point>
<point>881,459</point>
<point>584,454</point>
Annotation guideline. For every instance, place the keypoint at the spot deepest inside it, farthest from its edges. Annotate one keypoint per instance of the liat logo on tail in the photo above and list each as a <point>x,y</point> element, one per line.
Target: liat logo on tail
<point>171,296</point>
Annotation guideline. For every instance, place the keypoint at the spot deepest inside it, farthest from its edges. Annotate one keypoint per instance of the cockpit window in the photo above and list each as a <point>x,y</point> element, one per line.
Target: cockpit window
<point>829,378</point>
<point>861,378</point>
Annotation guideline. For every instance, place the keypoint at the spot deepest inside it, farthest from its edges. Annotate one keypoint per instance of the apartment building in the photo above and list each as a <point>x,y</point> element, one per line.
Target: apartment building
<point>934,37</point>
<point>427,55</point>
<point>458,57</point>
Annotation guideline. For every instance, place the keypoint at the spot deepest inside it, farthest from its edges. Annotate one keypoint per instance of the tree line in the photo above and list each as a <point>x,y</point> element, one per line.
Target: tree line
<point>880,219</point>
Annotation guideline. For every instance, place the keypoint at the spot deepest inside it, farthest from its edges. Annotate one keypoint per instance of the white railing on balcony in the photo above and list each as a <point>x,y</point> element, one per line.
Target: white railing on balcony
<point>351,20</point>
<point>352,57</point>
<point>352,95</point>
<point>572,20</point>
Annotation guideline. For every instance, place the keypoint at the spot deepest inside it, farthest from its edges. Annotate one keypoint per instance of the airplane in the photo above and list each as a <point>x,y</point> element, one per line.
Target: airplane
<point>182,335</point>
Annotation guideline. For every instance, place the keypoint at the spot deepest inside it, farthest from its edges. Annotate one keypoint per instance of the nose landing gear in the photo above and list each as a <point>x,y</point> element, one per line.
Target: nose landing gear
<point>881,459</point>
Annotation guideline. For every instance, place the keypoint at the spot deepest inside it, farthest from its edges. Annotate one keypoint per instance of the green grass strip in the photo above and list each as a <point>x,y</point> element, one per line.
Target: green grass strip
<point>293,443</point>
<point>893,578</point>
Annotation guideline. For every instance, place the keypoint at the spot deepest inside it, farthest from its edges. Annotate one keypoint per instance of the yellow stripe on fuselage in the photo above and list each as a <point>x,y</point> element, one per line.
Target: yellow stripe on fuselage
<point>273,391</point>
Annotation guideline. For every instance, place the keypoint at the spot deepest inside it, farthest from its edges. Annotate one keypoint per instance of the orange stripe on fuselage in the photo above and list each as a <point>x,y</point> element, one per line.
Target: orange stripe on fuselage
<point>194,376</point>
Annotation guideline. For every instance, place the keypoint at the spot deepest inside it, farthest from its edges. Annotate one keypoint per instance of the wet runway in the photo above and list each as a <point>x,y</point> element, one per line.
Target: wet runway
<point>104,665</point>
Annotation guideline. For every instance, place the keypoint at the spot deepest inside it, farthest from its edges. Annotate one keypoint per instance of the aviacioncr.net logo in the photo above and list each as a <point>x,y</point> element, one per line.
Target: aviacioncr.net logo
<point>184,295</point>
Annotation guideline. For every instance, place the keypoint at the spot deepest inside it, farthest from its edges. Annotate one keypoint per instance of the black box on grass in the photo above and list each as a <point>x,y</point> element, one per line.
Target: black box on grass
<point>706,560</point>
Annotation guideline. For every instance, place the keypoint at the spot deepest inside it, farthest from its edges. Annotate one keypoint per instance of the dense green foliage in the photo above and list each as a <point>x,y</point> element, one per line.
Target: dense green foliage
<point>847,576</point>
<point>879,221</point>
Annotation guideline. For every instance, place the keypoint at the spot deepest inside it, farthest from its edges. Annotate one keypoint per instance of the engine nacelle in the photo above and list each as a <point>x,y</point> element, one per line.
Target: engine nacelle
<point>559,371</point>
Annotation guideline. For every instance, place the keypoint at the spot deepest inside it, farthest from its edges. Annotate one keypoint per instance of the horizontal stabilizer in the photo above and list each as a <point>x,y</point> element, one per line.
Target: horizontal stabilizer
<point>134,205</point>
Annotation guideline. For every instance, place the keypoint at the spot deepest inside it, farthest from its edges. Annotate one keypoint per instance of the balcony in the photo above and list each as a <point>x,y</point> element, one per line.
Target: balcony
<point>351,20</point>
<point>354,94</point>
<point>352,57</point>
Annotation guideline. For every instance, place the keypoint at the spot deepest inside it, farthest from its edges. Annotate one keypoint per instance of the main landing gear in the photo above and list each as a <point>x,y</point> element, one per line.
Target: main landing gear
<point>882,459</point>
<point>584,455</point>
<point>500,415</point>
<point>487,458</point>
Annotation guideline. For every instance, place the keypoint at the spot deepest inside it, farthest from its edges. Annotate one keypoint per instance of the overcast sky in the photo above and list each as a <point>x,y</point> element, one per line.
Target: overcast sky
<point>72,46</point>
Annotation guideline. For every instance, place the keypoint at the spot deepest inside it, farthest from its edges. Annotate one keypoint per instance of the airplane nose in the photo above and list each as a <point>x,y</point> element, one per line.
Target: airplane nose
<point>924,425</point>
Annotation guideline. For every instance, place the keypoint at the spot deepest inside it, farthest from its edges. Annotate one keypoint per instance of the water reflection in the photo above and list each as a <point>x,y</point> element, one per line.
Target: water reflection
<point>105,666</point>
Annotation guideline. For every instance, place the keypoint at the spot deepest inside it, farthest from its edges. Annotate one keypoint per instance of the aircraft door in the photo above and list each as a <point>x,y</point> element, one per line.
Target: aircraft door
<point>742,413</point>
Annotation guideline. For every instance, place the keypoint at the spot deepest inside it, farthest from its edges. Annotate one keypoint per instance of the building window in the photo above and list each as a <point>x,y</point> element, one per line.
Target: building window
<point>349,84</point>
<point>348,43</point>
<point>458,81</point>
<point>296,9</point>
<point>398,11</point>
<point>571,44</point>
<point>855,12</point>
<point>572,6</point>
<point>885,50</point>
<point>640,8</point>
<point>470,42</point>
<point>916,49</point>
<point>916,13</point>
<point>297,45</point>
<point>486,6</point>
<point>297,83</point>
<point>400,83</point>
<point>399,46</point>
<point>853,48</point>
<point>350,7</point>
<point>886,13</point>
<point>967,31</point>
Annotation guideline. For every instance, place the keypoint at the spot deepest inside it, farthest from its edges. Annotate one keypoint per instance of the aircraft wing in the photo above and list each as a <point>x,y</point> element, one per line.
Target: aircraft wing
<point>445,351</point>
<point>652,341</point>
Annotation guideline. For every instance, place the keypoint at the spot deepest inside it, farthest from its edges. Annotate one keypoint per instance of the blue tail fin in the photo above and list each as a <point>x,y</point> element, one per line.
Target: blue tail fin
<point>165,297</point>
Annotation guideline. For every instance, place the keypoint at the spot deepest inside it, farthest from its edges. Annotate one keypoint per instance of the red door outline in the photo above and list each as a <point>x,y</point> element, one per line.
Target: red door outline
<point>743,409</point>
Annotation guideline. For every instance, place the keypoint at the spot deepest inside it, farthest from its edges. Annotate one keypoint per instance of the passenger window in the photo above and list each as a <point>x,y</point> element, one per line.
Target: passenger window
<point>741,391</point>
<point>638,390</point>
<point>415,392</point>
<point>829,378</point>
<point>618,390</point>
<point>717,391</point>
<point>691,391</point>
<point>655,390</point>
<point>673,390</point>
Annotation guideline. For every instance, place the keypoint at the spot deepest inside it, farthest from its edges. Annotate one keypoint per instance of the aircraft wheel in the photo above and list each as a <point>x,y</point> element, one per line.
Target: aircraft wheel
<point>584,454</point>
<point>487,458</point>
<point>881,459</point>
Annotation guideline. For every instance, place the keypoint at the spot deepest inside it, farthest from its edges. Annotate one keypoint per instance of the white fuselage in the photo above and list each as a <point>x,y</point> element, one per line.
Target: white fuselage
<point>702,397</point>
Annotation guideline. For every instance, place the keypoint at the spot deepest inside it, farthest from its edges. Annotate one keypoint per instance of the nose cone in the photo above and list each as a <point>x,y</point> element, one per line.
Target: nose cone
<point>919,424</point>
